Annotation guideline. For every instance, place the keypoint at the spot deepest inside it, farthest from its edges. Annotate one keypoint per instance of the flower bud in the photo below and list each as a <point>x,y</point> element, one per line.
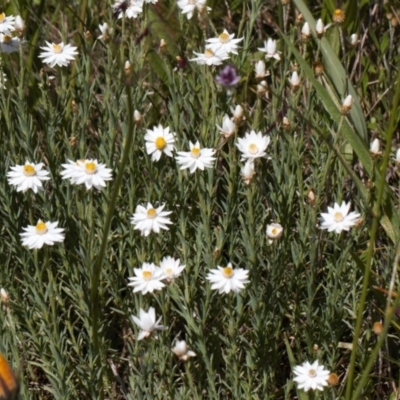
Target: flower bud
<point>353,39</point>
<point>347,104</point>
<point>247,172</point>
<point>19,25</point>
<point>137,117</point>
<point>294,80</point>
<point>305,31</point>
<point>338,16</point>
<point>375,147</point>
<point>260,70</point>
<point>262,88</point>
<point>4,296</point>
<point>238,114</point>
<point>127,67</point>
<point>286,123</point>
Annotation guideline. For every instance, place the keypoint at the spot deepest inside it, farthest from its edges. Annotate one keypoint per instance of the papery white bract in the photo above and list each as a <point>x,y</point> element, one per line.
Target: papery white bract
<point>210,57</point>
<point>170,268</point>
<point>228,127</point>
<point>196,158</point>
<point>88,172</point>
<point>311,376</point>
<point>6,24</point>
<point>247,172</point>
<point>224,41</point>
<point>188,7</point>
<point>43,233</point>
<point>28,176</point>
<point>105,31</point>
<point>9,44</point>
<point>270,49</point>
<point>58,54</point>
<point>147,323</point>
<point>159,140</point>
<point>227,279</point>
<point>338,218</point>
<point>147,279</point>
<point>253,145</point>
<point>147,219</point>
<point>182,351</point>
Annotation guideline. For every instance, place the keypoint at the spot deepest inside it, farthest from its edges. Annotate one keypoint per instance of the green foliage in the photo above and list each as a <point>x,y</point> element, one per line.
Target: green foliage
<point>67,326</point>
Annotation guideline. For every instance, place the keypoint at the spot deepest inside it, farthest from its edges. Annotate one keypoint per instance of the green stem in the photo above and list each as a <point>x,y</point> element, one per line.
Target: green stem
<point>94,292</point>
<point>370,252</point>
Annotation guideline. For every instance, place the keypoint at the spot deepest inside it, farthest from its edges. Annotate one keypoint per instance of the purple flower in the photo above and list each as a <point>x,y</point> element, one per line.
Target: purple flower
<point>227,77</point>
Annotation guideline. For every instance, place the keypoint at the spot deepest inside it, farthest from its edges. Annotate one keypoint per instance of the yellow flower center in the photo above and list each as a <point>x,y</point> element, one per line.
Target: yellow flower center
<point>151,213</point>
<point>195,152</point>
<point>192,2</point>
<point>57,48</point>
<point>90,168</point>
<point>169,271</point>
<point>41,227</point>
<point>274,231</point>
<point>2,17</point>
<point>29,170</point>
<point>312,373</point>
<point>6,39</point>
<point>338,16</point>
<point>160,143</point>
<point>253,148</point>
<point>338,216</point>
<point>208,53</point>
<point>227,272</point>
<point>224,38</point>
<point>147,275</point>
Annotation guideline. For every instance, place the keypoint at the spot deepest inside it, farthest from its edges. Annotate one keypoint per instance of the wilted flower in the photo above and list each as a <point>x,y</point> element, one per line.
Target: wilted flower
<point>338,16</point>
<point>182,351</point>
<point>227,76</point>
<point>147,323</point>
<point>270,49</point>
<point>311,376</point>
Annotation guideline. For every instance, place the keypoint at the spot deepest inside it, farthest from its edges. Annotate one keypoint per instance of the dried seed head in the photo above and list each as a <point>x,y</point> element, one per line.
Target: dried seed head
<point>88,35</point>
<point>333,379</point>
<point>299,18</point>
<point>338,16</point>
<point>318,68</point>
<point>377,328</point>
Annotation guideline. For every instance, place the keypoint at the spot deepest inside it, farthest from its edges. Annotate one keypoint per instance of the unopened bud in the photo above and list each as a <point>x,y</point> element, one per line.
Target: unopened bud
<point>262,88</point>
<point>238,114</point>
<point>19,25</point>
<point>88,35</point>
<point>137,117</point>
<point>127,67</point>
<point>286,123</point>
<point>338,16</point>
<point>305,31</point>
<point>4,296</point>
<point>294,80</point>
<point>375,147</point>
<point>347,104</point>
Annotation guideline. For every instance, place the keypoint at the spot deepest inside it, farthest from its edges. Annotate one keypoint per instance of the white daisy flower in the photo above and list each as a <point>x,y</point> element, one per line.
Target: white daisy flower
<point>181,350</point>
<point>9,44</point>
<point>247,172</point>
<point>43,233</point>
<point>227,279</point>
<point>188,7</point>
<point>131,8</point>
<point>58,54</point>
<point>171,268</point>
<point>270,49</point>
<point>159,140</point>
<point>228,127</point>
<point>253,145</point>
<point>6,24</point>
<point>28,176</point>
<point>211,57</point>
<point>105,30</point>
<point>274,231</point>
<point>338,218</point>
<point>88,172</point>
<point>224,41</point>
<point>311,376</point>
<point>150,219</point>
<point>147,323</point>
<point>195,158</point>
<point>147,279</point>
